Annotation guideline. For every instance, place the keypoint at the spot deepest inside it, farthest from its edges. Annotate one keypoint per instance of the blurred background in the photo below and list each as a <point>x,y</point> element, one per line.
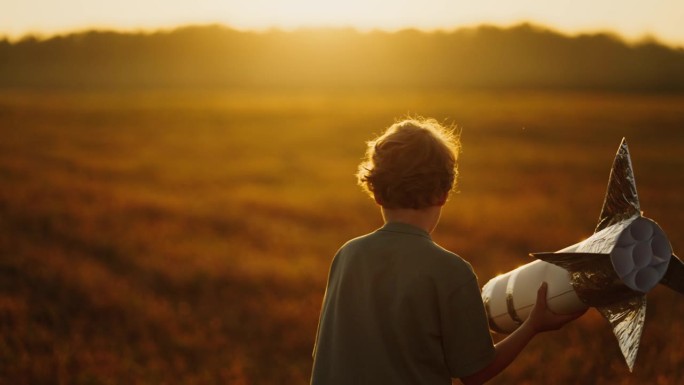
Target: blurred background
<point>176,176</point>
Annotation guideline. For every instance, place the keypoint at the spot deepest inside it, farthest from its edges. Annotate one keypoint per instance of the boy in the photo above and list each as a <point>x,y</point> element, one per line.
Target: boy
<point>398,308</point>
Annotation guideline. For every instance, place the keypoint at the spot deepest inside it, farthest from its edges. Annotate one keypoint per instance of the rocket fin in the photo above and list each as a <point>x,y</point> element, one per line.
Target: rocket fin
<point>627,320</point>
<point>621,201</point>
<point>569,261</point>
<point>674,276</point>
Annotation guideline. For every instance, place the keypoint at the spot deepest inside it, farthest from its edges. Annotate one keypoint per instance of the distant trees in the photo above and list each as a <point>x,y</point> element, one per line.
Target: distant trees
<point>214,56</point>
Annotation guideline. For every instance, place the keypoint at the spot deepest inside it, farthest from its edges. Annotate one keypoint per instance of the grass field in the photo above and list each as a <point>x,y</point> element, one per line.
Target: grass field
<point>184,236</point>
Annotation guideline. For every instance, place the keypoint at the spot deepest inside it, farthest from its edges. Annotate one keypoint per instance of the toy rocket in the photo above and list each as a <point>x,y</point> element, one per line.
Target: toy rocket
<point>612,270</point>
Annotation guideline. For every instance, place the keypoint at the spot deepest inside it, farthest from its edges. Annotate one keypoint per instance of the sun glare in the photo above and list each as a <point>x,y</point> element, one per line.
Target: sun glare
<point>312,13</point>
<point>631,18</point>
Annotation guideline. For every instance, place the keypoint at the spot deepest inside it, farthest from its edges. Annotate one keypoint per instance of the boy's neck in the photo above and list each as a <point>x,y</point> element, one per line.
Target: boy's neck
<point>425,219</point>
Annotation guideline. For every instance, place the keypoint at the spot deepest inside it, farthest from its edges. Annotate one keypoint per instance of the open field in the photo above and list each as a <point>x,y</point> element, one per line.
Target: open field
<point>184,236</point>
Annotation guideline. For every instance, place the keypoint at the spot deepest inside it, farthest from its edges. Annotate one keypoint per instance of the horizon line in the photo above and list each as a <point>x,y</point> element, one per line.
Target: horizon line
<point>43,36</point>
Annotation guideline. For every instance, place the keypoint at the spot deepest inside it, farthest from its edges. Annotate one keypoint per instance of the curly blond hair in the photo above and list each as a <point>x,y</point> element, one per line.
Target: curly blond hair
<point>411,165</point>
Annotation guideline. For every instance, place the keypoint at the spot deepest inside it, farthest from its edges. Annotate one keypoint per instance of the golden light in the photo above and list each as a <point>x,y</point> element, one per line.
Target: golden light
<point>631,19</point>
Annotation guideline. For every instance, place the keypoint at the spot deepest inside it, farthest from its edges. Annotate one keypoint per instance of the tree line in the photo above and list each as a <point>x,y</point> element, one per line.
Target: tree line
<point>523,56</point>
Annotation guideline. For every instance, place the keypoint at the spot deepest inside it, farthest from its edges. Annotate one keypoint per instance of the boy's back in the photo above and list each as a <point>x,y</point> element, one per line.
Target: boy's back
<point>399,309</point>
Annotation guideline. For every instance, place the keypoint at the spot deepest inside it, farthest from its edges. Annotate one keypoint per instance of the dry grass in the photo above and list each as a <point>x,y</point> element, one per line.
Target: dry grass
<point>184,236</point>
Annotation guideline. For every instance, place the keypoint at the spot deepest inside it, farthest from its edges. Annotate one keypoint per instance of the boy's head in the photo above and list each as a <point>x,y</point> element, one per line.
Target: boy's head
<point>411,166</point>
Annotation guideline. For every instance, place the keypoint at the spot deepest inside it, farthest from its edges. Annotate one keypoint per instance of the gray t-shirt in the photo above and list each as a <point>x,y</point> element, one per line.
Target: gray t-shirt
<point>400,309</point>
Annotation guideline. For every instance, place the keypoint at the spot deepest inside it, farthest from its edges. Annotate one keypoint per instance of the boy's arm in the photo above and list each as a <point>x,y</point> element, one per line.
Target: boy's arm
<point>541,319</point>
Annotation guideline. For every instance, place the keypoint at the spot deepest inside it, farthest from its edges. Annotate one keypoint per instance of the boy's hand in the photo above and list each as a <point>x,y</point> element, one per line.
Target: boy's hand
<point>543,319</point>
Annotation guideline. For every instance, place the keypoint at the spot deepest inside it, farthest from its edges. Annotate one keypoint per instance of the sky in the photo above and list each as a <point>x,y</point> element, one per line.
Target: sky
<point>632,19</point>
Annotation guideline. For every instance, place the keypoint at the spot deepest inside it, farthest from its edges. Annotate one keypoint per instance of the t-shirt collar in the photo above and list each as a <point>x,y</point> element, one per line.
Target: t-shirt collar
<point>400,227</point>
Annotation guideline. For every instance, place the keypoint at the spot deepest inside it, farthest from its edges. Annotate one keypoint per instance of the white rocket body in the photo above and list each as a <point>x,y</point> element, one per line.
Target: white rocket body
<point>506,312</point>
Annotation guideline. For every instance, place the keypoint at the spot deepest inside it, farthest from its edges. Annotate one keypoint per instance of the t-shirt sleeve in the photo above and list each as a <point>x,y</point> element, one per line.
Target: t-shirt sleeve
<point>468,345</point>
